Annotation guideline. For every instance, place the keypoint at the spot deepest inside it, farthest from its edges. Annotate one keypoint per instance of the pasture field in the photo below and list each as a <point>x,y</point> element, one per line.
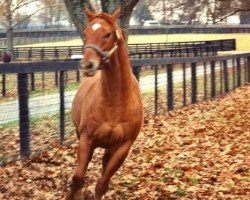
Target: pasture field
<point>242,39</point>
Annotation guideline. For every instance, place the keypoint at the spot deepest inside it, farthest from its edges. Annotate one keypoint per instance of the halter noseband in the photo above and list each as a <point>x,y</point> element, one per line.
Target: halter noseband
<point>104,54</point>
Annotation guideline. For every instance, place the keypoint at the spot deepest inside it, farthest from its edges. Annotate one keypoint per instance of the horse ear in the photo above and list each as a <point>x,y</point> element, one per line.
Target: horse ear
<point>116,14</point>
<point>120,35</point>
<point>89,13</point>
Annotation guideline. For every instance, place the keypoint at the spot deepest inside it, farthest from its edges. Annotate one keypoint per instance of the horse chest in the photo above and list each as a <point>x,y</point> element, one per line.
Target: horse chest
<point>108,127</point>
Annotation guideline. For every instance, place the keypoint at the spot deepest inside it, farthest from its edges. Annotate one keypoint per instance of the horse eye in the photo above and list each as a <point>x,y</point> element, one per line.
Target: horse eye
<point>107,35</point>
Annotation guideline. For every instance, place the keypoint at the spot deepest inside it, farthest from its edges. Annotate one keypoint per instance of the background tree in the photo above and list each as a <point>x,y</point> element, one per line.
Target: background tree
<point>75,9</point>
<point>52,13</point>
<point>9,18</point>
<point>245,12</point>
<point>141,12</point>
<point>217,10</point>
<point>175,11</point>
<point>6,21</point>
<point>11,15</point>
<point>192,12</point>
<point>21,20</point>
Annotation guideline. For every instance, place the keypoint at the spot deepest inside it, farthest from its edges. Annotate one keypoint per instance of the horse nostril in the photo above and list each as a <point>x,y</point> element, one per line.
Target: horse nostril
<point>89,65</point>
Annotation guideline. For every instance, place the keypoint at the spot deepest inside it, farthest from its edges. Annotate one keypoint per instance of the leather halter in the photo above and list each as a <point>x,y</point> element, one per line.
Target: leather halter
<point>104,54</point>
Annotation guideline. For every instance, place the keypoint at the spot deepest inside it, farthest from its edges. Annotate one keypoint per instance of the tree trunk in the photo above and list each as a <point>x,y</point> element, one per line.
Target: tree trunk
<point>75,9</point>
<point>9,29</point>
<point>126,6</point>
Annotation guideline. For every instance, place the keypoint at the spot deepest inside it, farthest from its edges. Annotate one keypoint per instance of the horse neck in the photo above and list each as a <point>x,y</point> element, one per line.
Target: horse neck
<point>117,76</point>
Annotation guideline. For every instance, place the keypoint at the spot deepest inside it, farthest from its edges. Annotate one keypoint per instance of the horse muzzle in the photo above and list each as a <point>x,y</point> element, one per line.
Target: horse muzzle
<point>90,68</point>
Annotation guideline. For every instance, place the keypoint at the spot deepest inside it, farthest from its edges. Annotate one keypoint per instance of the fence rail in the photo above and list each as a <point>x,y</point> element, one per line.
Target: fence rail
<point>148,50</point>
<point>168,29</point>
<point>166,84</point>
<point>137,51</point>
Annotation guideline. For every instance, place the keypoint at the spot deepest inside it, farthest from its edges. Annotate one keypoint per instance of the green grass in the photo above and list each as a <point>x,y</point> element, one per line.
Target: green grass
<point>180,192</point>
<point>9,125</point>
<point>41,88</point>
<point>242,39</point>
<point>194,181</point>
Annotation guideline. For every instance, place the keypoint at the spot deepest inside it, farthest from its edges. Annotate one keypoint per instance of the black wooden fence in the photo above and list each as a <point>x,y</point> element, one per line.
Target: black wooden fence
<point>167,29</point>
<point>137,51</point>
<point>147,50</point>
<point>166,84</point>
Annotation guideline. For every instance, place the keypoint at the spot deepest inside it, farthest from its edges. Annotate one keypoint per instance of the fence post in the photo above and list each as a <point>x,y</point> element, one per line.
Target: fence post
<point>42,54</point>
<point>184,84</point>
<point>238,72</point>
<point>248,69</point>
<point>156,89</point>
<point>43,80</point>
<point>24,115</point>
<point>233,63</point>
<point>201,49</point>
<point>56,53</point>
<point>136,72</point>
<point>195,51</point>
<point>187,52</point>
<point>193,83</point>
<point>30,53</point>
<point>69,52</point>
<point>15,53</point>
<point>56,78</point>
<point>3,85</point>
<point>213,87</point>
<point>77,75</point>
<point>171,52</point>
<point>225,73</point>
<point>205,80</point>
<point>170,87</point>
<point>221,76</point>
<point>233,44</point>
<point>207,50</point>
<point>62,107</point>
<point>32,82</point>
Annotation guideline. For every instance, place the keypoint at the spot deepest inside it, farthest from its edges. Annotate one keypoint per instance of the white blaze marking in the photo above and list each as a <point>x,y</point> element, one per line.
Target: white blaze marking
<point>96,26</point>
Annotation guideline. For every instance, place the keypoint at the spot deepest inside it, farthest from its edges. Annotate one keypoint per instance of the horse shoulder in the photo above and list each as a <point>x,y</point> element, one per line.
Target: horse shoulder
<point>81,98</point>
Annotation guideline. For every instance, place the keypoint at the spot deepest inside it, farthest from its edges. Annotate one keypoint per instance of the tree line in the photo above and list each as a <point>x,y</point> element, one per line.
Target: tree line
<point>192,11</point>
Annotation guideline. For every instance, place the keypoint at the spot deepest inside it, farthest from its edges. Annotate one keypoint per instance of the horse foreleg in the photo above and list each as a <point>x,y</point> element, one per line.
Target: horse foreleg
<point>112,161</point>
<point>84,155</point>
<point>105,159</point>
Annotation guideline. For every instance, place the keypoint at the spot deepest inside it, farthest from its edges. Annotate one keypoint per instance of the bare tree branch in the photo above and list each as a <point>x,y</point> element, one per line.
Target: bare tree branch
<point>177,6</point>
<point>32,15</point>
<point>231,14</point>
<point>22,3</point>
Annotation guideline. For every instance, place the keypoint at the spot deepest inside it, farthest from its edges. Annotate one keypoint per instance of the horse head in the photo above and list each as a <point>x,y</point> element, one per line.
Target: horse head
<point>101,39</point>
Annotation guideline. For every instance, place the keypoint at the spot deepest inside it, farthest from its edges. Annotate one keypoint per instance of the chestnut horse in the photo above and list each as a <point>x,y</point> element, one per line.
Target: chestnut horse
<point>107,109</point>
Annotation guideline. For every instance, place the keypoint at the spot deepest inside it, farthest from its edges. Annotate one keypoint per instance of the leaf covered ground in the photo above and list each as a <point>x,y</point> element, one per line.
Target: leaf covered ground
<point>198,152</point>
